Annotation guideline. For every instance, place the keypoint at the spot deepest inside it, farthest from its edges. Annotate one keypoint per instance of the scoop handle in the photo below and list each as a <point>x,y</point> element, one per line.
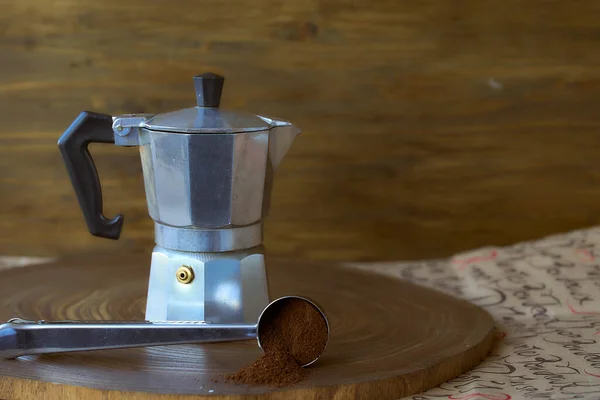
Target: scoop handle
<point>19,337</point>
<point>89,127</point>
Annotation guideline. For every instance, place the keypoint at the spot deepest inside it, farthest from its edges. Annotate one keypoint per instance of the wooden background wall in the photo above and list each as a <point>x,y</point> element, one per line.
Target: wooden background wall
<point>429,126</point>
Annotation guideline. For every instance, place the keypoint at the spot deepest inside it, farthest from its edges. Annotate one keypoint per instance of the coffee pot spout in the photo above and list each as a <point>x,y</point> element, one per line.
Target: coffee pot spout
<point>281,137</point>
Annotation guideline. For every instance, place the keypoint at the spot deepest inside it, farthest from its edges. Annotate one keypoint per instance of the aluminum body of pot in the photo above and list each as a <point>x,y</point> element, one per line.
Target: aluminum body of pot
<point>204,168</point>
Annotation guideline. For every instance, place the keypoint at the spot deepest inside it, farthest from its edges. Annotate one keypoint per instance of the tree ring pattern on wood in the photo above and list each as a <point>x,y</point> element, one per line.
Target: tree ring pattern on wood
<point>389,338</point>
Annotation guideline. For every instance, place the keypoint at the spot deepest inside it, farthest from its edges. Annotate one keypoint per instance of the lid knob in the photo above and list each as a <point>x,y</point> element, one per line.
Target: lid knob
<point>208,89</point>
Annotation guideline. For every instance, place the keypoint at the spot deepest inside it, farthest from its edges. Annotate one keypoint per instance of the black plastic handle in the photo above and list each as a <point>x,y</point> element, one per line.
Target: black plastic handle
<point>89,127</point>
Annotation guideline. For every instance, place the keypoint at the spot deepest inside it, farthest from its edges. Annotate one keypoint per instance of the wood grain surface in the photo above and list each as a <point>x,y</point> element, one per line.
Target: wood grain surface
<point>429,127</point>
<point>389,338</point>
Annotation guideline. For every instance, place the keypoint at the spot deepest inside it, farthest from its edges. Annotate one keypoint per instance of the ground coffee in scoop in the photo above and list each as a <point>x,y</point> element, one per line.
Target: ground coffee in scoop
<point>293,334</point>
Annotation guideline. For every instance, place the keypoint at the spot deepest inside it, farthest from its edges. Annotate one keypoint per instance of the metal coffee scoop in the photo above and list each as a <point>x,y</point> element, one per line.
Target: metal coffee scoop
<point>20,337</point>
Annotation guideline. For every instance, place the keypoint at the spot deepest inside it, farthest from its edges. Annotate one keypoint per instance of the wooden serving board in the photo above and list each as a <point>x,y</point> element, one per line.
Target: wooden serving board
<point>389,338</point>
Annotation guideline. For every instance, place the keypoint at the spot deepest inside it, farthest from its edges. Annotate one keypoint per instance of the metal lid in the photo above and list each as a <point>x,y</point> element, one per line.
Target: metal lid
<point>206,117</point>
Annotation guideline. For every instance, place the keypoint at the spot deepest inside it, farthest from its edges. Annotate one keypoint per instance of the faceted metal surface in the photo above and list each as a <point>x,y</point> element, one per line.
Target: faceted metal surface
<point>208,240</point>
<point>208,175</point>
<point>205,181</point>
<point>212,181</point>
<point>228,287</point>
<point>205,120</point>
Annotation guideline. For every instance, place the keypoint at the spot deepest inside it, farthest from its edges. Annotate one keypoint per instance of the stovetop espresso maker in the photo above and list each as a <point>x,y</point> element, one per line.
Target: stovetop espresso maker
<point>208,174</point>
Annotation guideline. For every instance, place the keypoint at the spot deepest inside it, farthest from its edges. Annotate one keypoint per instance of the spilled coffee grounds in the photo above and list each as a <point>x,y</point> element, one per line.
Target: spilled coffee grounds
<point>273,368</point>
<point>293,334</point>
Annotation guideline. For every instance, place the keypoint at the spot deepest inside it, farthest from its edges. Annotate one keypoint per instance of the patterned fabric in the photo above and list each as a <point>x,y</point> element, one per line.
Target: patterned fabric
<point>545,298</point>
